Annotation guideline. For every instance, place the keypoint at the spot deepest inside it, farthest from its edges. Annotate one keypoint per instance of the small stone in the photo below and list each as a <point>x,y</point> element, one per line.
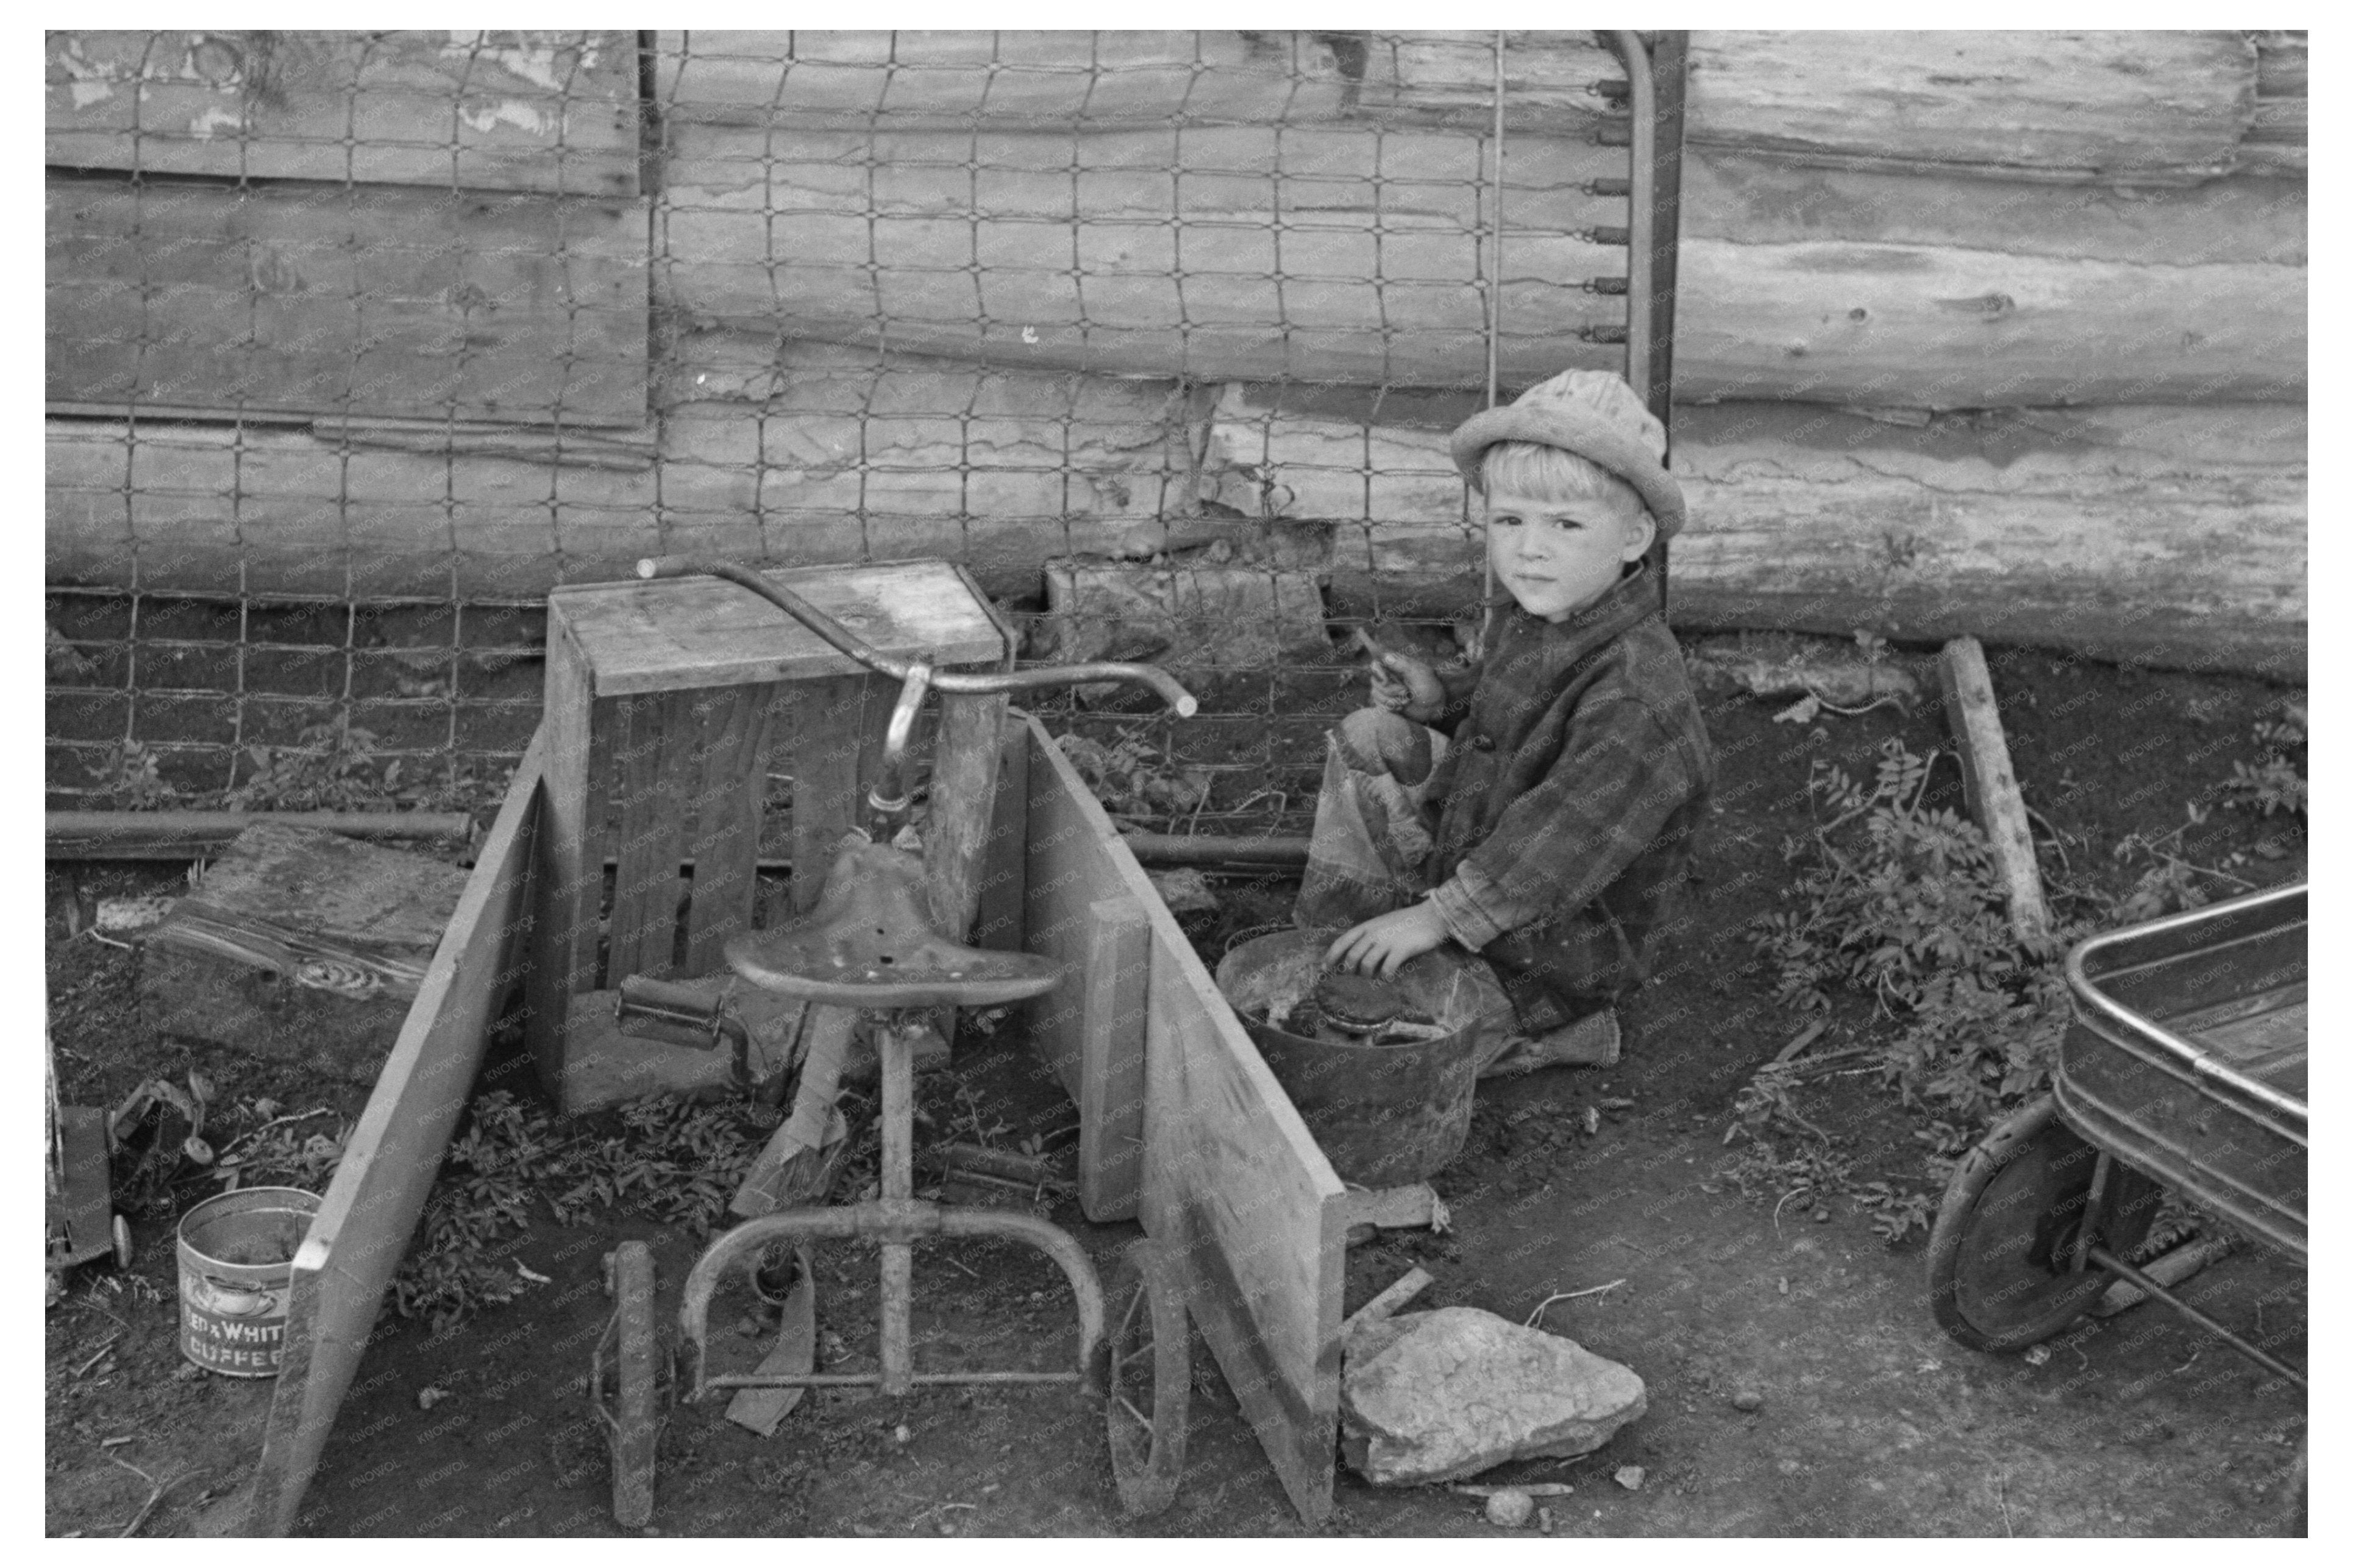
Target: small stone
<point>748,1326</point>
<point>1544,1521</point>
<point>1749,1399</point>
<point>429,1396</point>
<point>1630,1477</point>
<point>1510,1508</point>
<point>1822,1216</point>
<point>900,1433</point>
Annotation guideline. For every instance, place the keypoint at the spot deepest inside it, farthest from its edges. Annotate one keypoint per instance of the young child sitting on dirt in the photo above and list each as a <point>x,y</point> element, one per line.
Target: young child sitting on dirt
<point>1534,810</point>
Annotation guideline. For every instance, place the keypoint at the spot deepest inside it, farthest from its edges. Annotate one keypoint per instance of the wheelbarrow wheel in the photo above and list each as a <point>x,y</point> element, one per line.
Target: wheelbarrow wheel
<point>1999,1275</point>
<point>1149,1382</point>
<point>633,1423</point>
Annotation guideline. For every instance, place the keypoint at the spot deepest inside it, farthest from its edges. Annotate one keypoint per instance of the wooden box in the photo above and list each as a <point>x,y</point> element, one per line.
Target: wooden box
<point>670,704</point>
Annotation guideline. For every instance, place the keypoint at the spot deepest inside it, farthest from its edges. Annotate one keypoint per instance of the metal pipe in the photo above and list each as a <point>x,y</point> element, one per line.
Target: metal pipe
<point>180,834</point>
<point>888,798</point>
<point>1639,215</point>
<point>2269,1363</point>
<point>848,642</point>
<point>898,1119</point>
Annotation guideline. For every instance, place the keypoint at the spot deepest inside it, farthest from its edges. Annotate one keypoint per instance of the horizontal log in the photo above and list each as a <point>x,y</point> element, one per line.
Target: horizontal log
<point>1224,253</point>
<point>1758,200</point>
<point>311,301</point>
<point>2130,108</point>
<point>2151,532</point>
<point>946,79</point>
<point>1947,327</point>
<point>499,111</point>
<point>805,453</point>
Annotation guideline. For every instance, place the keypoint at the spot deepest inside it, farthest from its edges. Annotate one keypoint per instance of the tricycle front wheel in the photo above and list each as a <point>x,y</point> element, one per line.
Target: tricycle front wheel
<point>1999,1257</point>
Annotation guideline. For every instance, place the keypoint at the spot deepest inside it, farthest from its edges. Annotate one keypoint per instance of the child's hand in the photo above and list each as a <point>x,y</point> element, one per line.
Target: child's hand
<point>1382,943</point>
<point>1407,685</point>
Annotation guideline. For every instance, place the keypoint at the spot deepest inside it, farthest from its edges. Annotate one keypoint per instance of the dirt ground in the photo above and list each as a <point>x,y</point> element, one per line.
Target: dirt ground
<point>1871,1422</point>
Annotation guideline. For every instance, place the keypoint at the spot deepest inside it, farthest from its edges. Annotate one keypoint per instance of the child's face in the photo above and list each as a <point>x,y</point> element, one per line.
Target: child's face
<point>1558,556</point>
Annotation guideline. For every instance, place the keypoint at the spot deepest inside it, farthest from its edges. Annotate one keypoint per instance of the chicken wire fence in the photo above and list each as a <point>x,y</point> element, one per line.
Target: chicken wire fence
<point>359,343</point>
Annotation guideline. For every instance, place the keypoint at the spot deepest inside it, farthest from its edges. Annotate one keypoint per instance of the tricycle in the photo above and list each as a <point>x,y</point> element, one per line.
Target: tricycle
<point>2183,1068</point>
<point>869,946</point>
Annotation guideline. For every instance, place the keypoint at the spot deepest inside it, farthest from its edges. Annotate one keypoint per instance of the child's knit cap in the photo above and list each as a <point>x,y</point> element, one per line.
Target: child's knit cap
<point>1594,415</point>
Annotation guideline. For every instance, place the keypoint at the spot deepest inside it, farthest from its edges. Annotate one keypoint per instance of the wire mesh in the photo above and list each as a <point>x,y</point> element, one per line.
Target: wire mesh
<point>358,343</point>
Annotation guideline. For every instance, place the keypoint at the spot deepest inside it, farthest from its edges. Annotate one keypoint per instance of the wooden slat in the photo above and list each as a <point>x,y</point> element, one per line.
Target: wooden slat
<point>727,805</point>
<point>963,800</point>
<point>656,765</point>
<point>1235,1184</point>
<point>371,1208</point>
<point>566,888</point>
<point>1001,923</point>
<point>703,631</point>
<point>1090,1029</point>
<point>599,821</point>
<point>828,733</point>
<point>365,300</point>
<point>554,111</point>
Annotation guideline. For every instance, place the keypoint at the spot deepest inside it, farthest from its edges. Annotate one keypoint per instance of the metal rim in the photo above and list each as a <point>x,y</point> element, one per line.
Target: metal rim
<point>1147,1383</point>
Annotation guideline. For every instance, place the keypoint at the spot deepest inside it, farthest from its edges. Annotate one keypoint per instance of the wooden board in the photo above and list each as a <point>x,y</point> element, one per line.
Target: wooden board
<point>1219,253</point>
<point>301,946</point>
<point>1235,1185</point>
<point>362,300</point>
<point>552,112</point>
<point>371,1207</point>
<point>1080,909</point>
<point>944,78</point>
<point>2138,107</point>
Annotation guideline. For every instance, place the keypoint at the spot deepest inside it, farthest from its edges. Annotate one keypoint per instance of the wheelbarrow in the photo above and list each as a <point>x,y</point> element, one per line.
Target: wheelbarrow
<point>2183,1068</point>
<point>868,946</point>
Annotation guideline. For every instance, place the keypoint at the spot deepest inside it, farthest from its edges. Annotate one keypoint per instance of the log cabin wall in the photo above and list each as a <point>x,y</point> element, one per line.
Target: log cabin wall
<point>1989,332</point>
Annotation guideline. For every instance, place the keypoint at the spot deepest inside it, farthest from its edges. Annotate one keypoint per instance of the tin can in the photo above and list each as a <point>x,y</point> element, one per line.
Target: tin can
<point>236,1268</point>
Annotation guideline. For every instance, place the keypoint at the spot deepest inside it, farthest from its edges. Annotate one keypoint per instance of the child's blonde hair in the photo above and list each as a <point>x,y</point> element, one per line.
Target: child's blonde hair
<point>1542,472</point>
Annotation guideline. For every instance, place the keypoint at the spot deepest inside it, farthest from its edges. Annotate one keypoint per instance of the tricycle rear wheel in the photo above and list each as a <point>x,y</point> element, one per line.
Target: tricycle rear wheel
<point>1149,1383</point>
<point>1999,1277</point>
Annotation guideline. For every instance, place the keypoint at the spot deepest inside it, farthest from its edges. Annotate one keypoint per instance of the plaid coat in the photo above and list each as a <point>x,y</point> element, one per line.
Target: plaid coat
<point>1577,774</point>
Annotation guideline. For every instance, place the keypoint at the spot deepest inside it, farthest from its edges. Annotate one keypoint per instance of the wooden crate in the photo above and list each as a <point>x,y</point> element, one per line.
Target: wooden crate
<point>668,705</point>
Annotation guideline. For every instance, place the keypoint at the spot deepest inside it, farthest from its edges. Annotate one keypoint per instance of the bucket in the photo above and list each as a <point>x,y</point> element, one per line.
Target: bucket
<point>1385,1115</point>
<point>237,1265</point>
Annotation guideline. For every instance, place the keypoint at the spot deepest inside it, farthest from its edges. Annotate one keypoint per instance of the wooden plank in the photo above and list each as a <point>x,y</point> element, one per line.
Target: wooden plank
<point>354,301</point>
<point>1988,783</point>
<point>727,806</point>
<point>566,888</point>
<point>1234,1183</point>
<point>599,823</point>
<point>655,762</point>
<point>703,631</point>
<point>1218,253</point>
<point>945,79</point>
<point>550,111</point>
<point>828,733</point>
<point>371,1208</point>
<point>2129,107</point>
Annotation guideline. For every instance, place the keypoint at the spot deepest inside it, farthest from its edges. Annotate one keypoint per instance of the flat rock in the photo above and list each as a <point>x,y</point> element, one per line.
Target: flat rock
<point>1439,1395</point>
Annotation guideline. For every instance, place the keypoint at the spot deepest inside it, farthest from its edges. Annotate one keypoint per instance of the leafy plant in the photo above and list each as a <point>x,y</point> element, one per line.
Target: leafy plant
<point>131,775</point>
<point>2274,782</point>
<point>1133,779</point>
<point>330,767</point>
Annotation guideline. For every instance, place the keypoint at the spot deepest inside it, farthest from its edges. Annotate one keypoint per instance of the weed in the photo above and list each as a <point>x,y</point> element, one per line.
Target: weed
<point>133,778</point>
<point>2274,782</point>
<point>330,767</point>
<point>1135,780</point>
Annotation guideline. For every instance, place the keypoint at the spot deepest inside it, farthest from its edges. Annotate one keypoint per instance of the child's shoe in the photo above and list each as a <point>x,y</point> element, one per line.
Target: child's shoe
<point>1591,1041</point>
